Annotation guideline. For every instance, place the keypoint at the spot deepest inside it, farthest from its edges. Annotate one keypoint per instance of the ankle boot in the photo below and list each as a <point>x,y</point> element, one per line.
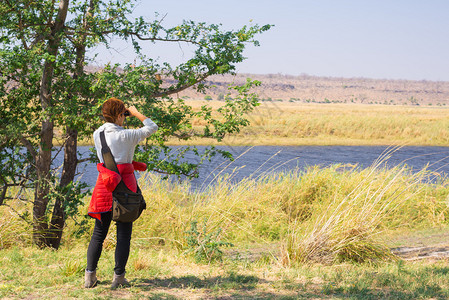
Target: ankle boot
<point>90,279</point>
<point>119,280</point>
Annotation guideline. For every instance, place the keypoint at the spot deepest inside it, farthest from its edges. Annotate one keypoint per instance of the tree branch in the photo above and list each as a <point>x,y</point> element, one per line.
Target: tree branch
<point>164,39</point>
<point>168,173</point>
<point>29,146</point>
<point>184,135</point>
<point>181,88</point>
<point>83,160</point>
<point>34,25</point>
<point>137,35</point>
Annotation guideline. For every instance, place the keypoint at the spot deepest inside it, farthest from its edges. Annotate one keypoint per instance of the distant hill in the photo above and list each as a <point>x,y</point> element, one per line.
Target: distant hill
<point>305,88</point>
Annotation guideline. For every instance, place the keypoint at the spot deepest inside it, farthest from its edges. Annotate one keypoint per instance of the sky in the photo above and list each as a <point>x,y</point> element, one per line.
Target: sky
<point>382,39</point>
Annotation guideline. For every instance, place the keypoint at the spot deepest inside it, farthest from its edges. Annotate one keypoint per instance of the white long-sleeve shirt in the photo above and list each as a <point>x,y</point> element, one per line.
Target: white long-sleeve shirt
<point>121,141</point>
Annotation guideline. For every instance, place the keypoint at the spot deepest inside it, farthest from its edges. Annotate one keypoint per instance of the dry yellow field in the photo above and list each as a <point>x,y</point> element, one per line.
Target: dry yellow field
<point>292,123</point>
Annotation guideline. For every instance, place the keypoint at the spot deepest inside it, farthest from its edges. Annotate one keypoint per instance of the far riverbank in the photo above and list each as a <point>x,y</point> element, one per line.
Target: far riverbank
<point>298,124</point>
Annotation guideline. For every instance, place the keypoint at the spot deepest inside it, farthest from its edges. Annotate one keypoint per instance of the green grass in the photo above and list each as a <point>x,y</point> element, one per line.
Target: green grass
<point>43,274</point>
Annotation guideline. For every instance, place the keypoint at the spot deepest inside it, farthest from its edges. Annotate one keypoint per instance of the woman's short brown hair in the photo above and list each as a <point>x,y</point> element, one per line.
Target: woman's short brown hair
<point>112,108</point>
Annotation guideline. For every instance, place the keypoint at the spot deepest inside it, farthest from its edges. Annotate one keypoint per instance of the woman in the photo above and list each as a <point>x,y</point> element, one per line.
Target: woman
<point>122,143</point>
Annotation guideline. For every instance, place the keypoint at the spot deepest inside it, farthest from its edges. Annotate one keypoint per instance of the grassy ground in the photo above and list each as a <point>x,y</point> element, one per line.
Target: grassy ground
<point>335,217</point>
<point>287,123</point>
<point>160,274</point>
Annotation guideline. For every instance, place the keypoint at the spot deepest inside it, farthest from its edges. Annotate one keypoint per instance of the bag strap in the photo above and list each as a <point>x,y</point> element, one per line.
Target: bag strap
<point>109,163</point>
<point>108,158</point>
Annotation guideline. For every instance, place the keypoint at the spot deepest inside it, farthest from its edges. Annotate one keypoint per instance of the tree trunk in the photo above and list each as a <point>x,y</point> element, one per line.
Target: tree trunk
<point>43,162</point>
<point>43,165</point>
<point>70,153</point>
<point>68,175</point>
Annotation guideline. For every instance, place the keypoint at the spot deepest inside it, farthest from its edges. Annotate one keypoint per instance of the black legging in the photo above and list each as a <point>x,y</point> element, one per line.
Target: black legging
<point>124,231</point>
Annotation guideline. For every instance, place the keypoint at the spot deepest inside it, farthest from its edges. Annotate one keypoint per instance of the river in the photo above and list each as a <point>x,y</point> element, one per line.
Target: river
<point>259,160</point>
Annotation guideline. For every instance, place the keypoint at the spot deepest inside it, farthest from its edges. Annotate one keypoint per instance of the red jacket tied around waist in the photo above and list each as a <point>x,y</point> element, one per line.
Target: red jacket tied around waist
<point>107,180</point>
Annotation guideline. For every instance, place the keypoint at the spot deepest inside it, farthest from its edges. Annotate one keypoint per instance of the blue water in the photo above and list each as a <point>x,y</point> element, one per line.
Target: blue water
<point>260,160</point>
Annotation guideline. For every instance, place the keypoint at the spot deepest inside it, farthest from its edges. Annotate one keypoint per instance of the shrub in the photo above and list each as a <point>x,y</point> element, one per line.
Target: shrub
<point>204,245</point>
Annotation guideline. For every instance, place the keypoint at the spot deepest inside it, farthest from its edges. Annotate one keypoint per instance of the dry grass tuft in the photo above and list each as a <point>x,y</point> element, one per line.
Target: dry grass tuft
<point>347,228</point>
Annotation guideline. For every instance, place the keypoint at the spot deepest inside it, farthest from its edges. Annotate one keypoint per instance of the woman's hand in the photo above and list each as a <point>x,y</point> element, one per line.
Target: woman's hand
<point>134,112</point>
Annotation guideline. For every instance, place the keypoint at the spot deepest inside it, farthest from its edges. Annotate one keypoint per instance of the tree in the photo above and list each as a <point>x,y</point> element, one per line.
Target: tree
<point>50,100</point>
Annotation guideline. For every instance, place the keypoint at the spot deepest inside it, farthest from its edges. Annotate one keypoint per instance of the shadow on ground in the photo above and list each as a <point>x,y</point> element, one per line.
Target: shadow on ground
<point>232,281</point>
<point>235,286</point>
